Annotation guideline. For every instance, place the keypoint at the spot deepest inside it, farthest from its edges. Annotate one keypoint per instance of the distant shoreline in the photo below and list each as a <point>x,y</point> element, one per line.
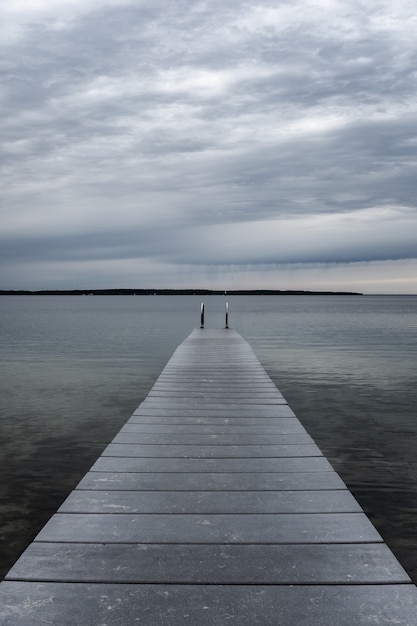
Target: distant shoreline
<point>173,292</point>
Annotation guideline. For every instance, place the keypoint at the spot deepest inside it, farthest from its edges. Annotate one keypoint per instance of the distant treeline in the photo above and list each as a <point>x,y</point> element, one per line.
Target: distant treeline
<point>173,292</point>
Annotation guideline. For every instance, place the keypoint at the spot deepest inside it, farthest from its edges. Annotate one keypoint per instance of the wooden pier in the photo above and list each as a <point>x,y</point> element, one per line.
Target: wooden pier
<point>211,506</point>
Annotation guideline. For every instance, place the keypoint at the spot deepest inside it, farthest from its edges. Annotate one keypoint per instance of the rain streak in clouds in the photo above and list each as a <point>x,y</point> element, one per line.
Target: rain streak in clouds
<point>224,144</point>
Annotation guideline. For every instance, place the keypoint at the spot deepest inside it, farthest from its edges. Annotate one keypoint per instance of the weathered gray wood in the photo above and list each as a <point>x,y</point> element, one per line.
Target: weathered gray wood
<point>208,451</point>
<point>206,502</point>
<point>210,564</point>
<point>228,395</point>
<point>211,481</point>
<point>232,410</point>
<point>290,422</point>
<point>282,427</point>
<point>297,464</point>
<point>210,528</point>
<point>211,506</point>
<point>209,402</point>
<point>72,604</point>
<point>129,436</point>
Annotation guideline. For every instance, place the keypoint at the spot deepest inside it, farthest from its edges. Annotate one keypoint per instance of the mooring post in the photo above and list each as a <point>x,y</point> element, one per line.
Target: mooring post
<point>227,315</point>
<point>202,315</point>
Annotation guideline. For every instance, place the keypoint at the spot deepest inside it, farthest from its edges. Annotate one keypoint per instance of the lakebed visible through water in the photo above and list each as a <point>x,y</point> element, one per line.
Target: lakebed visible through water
<point>73,369</point>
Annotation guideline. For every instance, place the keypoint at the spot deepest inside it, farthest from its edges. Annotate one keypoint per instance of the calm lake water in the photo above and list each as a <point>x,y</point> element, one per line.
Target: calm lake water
<point>73,369</point>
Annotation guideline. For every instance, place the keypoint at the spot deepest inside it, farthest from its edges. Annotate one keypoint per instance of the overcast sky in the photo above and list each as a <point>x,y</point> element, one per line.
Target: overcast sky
<point>224,144</point>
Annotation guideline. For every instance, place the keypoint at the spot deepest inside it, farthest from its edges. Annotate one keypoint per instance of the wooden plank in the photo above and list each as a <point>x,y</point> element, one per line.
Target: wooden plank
<point>174,438</point>
<point>232,410</point>
<point>209,403</point>
<point>282,427</point>
<point>226,528</point>
<point>69,604</point>
<point>294,464</point>
<point>209,452</point>
<point>212,481</point>
<point>225,395</point>
<point>211,564</point>
<point>206,502</point>
<point>289,422</point>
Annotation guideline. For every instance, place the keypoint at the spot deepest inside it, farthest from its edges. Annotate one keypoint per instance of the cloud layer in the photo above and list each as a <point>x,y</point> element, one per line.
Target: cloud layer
<point>208,144</point>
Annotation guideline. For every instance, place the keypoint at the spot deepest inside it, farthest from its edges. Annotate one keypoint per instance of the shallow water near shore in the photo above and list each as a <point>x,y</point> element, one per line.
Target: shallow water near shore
<point>73,369</point>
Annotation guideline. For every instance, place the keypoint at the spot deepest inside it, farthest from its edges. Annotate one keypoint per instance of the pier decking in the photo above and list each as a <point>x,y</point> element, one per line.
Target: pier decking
<point>212,505</point>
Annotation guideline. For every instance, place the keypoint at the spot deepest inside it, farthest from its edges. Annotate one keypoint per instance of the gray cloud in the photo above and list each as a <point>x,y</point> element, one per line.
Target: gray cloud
<point>219,136</point>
